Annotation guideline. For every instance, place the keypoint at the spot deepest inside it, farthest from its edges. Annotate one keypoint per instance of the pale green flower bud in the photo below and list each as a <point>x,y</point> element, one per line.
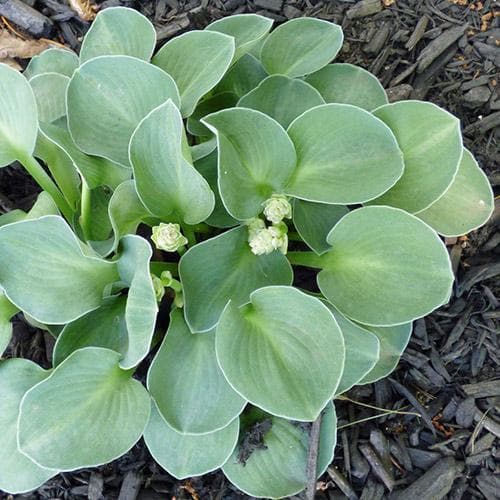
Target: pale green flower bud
<point>277,208</point>
<point>168,237</point>
<point>254,226</point>
<point>279,237</point>
<point>158,287</point>
<point>261,242</point>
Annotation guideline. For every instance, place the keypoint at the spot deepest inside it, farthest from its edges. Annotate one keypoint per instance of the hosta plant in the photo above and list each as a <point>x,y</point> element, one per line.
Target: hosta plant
<point>194,180</point>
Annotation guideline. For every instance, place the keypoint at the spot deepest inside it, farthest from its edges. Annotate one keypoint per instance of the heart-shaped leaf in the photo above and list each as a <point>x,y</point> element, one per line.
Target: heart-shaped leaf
<point>141,307</point>
<point>103,327</point>
<point>188,455</point>
<point>119,31</point>
<point>314,221</point>
<point>467,203</point>
<point>301,46</point>
<point>432,147</point>
<point>282,98</point>
<point>207,166</point>
<point>50,95</point>
<point>283,342</point>
<point>386,267</point>
<point>18,116</point>
<point>187,384</point>
<point>18,474</point>
<point>45,254</point>
<point>114,93</point>
<point>393,341</point>
<point>197,61</point>
<point>331,165</point>
<point>56,148</point>
<point>246,29</point>
<point>166,183</point>
<point>222,269</point>
<point>52,60</point>
<point>86,413</point>
<point>362,351</point>
<point>349,84</point>
<point>277,467</point>
<point>256,159</point>
<point>243,76</point>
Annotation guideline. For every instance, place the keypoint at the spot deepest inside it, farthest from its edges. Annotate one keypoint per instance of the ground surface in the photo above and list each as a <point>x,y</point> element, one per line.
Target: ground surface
<point>445,51</point>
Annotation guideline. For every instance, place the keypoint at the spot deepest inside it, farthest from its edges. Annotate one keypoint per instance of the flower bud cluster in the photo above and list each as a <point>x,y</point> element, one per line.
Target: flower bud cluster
<point>168,237</point>
<point>264,240</point>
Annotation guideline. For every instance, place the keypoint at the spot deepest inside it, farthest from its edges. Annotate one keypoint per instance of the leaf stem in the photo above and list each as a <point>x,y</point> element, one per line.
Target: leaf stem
<point>86,210</point>
<point>47,184</point>
<point>307,259</point>
<point>188,232</point>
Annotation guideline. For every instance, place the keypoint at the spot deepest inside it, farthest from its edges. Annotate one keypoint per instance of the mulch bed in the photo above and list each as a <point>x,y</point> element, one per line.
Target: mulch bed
<point>445,51</point>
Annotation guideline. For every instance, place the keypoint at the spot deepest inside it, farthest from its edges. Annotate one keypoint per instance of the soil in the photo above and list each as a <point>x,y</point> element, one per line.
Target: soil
<point>444,51</point>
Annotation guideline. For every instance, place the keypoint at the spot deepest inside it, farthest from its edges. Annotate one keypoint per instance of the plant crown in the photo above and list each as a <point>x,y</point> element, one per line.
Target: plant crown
<point>236,152</point>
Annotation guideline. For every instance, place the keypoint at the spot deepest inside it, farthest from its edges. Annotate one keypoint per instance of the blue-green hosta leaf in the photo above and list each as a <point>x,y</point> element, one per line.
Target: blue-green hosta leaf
<point>283,342</point>
<point>362,351</point>
<point>278,469</point>
<point>314,221</point>
<point>349,84</point>
<point>203,149</point>
<point>386,267</point>
<point>119,31</point>
<point>393,341</point>
<point>18,116</point>
<point>467,203</point>
<point>187,455</point>
<point>100,227</point>
<point>86,413</point>
<point>247,30</point>
<point>114,93</point>
<point>52,60</point>
<point>207,166</point>
<point>222,269</point>
<point>243,76</point>
<point>187,384</point>
<point>344,155</point>
<point>282,98</point>
<point>301,46</point>
<point>18,474</point>
<point>44,254</point>
<point>212,104</point>
<point>256,159</point>
<point>142,307</point>
<point>196,60</point>
<point>432,147</point>
<point>50,95</point>
<point>56,148</point>
<point>126,211</point>
<point>7,310</point>
<point>44,205</point>
<point>166,182</point>
<point>103,327</point>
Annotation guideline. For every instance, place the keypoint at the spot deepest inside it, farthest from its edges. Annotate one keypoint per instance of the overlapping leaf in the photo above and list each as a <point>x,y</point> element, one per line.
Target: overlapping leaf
<point>52,60</point>
<point>114,93</point>
<point>283,342</point>
<point>386,267</point>
<point>187,384</point>
<point>86,413</point>
<point>166,183</point>
<point>18,474</point>
<point>210,54</point>
<point>44,254</point>
<point>50,95</point>
<point>256,159</point>
<point>467,203</point>
<point>432,147</point>
<point>119,31</point>
<point>222,269</point>
<point>7,310</point>
<point>344,155</point>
